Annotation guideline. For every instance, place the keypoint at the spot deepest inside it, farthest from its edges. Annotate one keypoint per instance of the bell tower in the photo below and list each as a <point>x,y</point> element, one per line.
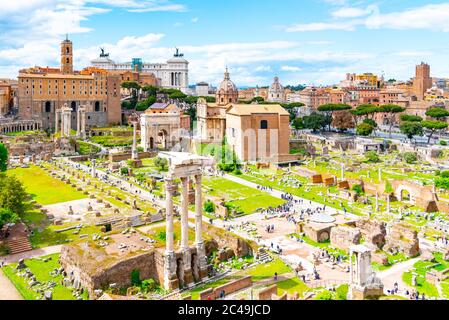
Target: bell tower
<point>67,56</point>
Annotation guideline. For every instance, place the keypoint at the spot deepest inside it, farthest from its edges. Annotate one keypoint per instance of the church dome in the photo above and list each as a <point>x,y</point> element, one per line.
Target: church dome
<point>227,85</point>
<point>276,86</point>
<point>276,92</point>
<point>227,91</point>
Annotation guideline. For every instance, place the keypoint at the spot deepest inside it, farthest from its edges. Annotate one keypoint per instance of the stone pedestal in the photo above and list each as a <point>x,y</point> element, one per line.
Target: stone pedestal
<point>171,281</point>
<point>188,274</point>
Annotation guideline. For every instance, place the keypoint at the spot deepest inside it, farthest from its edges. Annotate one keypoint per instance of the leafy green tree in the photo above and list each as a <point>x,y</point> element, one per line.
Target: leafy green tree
<point>358,189</point>
<point>258,99</point>
<point>127,105</point>
<point>433,126</point>
<point>209,206</point>
<point>291,108</point>
<point>7,216</point>
<point>364,129</point>
<point>134,87</point>
<point>410,157</point>
<point>411,129</point>
<point>315,121</point>
<point>441,182</point>
<point>392,110</point>
<point>150,90</point>
<point>12,194</point>
<point>410,118</point>
<point>178,95</point>
<point>145,104</point>
<point>437,113</point>
<point>372,156</point>
<point>298,123</point>
<point>364,110</point>
<point>330,108</point>
<point>161,163</point>
<point>3,158</point>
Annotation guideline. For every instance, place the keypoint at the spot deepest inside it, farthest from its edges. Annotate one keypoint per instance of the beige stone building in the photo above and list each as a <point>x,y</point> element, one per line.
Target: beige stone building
<point>254,132</point>
<point>8,95</point>
<point>43,91</point>
<point>258,132</point>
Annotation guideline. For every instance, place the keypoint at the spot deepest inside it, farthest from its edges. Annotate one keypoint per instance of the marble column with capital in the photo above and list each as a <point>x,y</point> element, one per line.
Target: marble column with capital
<point>199,243</point>
<point>185,249</point>
<point>135,154</point>
<point>171,280</point>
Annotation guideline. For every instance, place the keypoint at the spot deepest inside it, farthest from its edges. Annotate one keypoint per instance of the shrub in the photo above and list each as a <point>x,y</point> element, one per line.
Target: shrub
<point>124,171</point>
<point>135,278</point>
<point>161,163</point>
<point>364,129</point>
<point>371,156</point>
<point>410,157</point>
<point>148,285</point>
<point>209,206</point>
<point>358,189</point>
<point>443,143</point>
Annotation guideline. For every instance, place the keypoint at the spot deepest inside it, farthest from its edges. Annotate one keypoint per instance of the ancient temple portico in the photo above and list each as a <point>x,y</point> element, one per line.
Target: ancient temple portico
<point>9,125</point>
<point>66,114</point>
<point>188,265</point>
<point>81,122</point>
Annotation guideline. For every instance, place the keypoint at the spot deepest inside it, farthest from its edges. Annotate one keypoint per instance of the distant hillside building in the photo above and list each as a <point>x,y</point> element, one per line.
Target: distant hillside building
<point>174,74</point>
<point>42,91</point>
<point>422,80</point>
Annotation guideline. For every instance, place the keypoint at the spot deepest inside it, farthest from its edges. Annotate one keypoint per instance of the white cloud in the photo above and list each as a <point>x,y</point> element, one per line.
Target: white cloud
<point>290,68</point>
<point>431,17</point>
<point>321,26</point>
<point>263,68</point>
<point>352,12</point>
<point>413,53</point>
<point>195,20</point>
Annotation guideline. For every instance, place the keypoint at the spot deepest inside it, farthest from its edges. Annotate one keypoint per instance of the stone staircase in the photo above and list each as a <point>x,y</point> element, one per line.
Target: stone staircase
<point>17,240</point>
<point>265,257</point>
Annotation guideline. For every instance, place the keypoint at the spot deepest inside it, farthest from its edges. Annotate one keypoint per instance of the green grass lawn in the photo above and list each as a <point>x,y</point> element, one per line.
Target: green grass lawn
<point>247,199</point>
<point>258,273</point>
<point>421,268</point>
<point>42,271</point>
<point>113,141</point>
<point>44,188</point>
<point>291,286</point>
<point>49,237</point>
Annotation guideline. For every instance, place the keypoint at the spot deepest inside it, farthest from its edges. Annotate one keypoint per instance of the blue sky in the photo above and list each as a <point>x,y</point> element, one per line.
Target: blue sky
<point>302,42</point>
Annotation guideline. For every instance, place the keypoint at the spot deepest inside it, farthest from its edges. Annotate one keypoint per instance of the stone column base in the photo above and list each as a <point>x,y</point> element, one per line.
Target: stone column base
<point>188,277</point>
<point>363,293</point>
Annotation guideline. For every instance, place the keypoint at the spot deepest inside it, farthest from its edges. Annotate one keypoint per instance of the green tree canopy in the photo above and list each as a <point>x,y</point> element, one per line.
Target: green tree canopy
<point>3,158</point>
<point>12,194</point>
<point>437,113</point>
<point>364,129</point>
<point>434,126</point>
<point>411,129</point>
<point>392,110</point>
<point>7,216</point>
<point>145,104</point>
<point>315,121</point>
<point>410,118</point>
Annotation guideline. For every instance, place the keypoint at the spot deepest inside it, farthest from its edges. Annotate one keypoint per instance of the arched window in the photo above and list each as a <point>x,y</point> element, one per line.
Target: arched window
<point>48,106</point>
<point>264,124</point>
<point>67,60</point>
<point>67,50</point>
<point>73,106</point>
<point>97,106</point>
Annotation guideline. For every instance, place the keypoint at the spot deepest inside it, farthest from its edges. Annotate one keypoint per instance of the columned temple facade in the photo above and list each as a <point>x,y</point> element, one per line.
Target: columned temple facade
<point>174,74</point>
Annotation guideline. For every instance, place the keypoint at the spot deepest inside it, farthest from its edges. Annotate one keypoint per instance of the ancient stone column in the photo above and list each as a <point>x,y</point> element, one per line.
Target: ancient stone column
<point>171,280</point>
<point>200,248</point>
<point>169,190</point>
<point>135,154</point>
<point>78,123</point>
<point>184,214</point>
<point>186,254</point>
<point>57,115</point>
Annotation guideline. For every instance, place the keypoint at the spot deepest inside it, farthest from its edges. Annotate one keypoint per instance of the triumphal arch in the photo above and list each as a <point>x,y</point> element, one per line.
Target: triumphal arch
<point>188,264</point>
